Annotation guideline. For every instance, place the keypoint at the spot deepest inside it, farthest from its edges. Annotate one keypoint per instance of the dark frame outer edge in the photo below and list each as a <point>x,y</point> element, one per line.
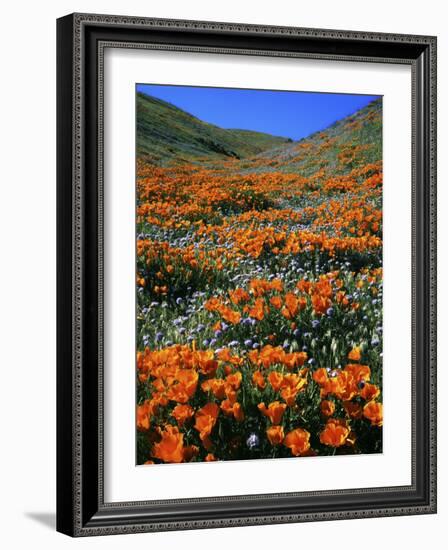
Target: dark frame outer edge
<point>80,507</point>
<point>65,496</point>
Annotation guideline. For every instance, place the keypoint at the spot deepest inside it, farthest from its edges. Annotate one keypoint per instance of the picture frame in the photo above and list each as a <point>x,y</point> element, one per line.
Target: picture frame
<point>81,507</point>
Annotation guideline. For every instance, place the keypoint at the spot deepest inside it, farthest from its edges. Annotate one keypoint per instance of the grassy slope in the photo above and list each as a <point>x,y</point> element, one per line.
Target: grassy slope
<point>358,136</point>
<point>166,133</point>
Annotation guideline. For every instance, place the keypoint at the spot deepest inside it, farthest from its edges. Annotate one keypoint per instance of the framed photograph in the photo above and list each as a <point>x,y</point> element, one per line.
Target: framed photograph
<point>246,274</point>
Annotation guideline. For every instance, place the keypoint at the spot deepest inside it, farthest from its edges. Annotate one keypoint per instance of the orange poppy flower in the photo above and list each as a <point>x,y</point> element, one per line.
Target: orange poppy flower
<point>304,286</point>
<point>355,354</point>
<point>320,376</point>
<point>230,394</point>
<point>225,355</point>
<point>212,304</point>
<point>359,372</point>
<point>210,458</point>
<point>254,357</point>
<point>234,380</point>
<point>276,284</point>
<point>275,435</point>
<point>230,407</point>
<point>216,385</point>
<point>291,306</point>
<point>238,412</point>
<point>373,411</point>
<point>294,359</point>
<point>298,441</point>
<point>289,394</point>
<point>227,407</point>
<point>327,408</point>
<point>206,419</point>
<point>170,448</point>
<point>206,361</point>
<point>270,355</point>
<point>276,302</point>
<point>259,380</point>
<point>185,388</point>
<point>238,295</point>
<point>143,416</point>
<point>274,411</point>
<point>369,392</point>
<point>334,434</point>
<point>343,386</point>
<point>275,379</point>
<point>182,413</point>
<point>229,315</point>
<point>292,384</point>
<point>320,303</point>
<point>258,309</point>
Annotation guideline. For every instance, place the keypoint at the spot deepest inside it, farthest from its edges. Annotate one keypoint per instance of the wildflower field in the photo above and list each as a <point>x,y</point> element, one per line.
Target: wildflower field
<point>259,289</point>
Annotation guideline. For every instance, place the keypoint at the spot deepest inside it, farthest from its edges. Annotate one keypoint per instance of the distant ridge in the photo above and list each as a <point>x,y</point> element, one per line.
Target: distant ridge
<point>166,133</point>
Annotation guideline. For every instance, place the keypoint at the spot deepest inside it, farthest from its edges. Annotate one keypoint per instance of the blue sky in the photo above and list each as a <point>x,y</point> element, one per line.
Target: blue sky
<point>289,114</point>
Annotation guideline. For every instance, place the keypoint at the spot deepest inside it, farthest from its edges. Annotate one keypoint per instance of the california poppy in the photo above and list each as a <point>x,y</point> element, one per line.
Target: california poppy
<point>170,448</point>
<point>334,434</point>
<point>275,435</point>
<point>274,411</point>
<point>206,419</point>
<point>327,408</point>
<point>373,411</point>
<point>182,413</point>
<point>355,354</point>
<point>298,441</point>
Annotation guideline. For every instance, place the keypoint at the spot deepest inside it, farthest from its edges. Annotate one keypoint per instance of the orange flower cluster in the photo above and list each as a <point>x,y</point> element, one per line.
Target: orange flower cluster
<point>228,314</point>
<point>269,355</point>
<point>255,242</point>
<point>351,386</point>
<point>175,372</point>
<point>259,298</point>
<point>166,363</point>
<point>268,297</point>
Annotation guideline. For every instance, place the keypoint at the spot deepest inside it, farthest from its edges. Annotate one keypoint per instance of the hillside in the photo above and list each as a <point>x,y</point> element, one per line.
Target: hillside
<point>165,132</point>
<point>351,142</point>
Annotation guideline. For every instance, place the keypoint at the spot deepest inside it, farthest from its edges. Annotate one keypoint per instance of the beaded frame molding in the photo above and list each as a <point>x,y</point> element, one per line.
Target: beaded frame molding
<point>81,40</point>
